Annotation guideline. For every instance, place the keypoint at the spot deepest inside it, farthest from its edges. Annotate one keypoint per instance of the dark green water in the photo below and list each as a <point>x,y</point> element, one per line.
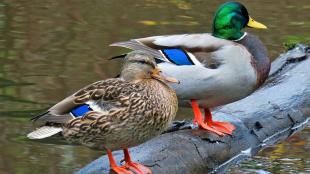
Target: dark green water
<point>49,49</point>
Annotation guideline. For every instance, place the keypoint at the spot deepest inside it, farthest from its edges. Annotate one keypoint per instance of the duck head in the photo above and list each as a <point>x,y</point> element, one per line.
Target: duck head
<point>139,66</point>
<point>230,19</point>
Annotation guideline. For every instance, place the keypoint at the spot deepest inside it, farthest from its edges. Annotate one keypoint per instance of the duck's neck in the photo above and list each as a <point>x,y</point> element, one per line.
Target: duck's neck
<point>241,37</point>
<point>261,61</point>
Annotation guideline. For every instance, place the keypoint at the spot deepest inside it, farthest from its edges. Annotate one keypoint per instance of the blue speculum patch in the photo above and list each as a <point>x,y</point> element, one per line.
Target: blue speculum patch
<point>177,56</point>
<point>80,110</point>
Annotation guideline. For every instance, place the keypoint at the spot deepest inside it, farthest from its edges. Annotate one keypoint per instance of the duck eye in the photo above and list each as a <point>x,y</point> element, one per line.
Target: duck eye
<point>138,61</point>
<point>142,61</point>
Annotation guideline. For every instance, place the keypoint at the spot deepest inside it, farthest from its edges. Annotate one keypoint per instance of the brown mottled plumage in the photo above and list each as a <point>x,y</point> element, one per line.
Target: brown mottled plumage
<point>125,111</point>
<point>134,113</point>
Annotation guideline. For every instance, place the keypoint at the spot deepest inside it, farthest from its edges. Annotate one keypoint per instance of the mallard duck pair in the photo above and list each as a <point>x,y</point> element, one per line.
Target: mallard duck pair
<point>214,69</point>
<point>115,113</point>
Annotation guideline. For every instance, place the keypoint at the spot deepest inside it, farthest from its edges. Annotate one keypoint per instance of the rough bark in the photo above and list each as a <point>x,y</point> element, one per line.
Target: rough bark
<point>274,112</point>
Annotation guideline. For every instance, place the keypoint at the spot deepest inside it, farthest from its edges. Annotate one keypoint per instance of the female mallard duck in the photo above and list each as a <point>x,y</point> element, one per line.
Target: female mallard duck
<point>214,69</point>
<point>115,113</point>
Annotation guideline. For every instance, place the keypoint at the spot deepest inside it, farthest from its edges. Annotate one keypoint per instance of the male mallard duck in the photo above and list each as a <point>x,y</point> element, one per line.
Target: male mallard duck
<point>115,113</point>
<point>214,69</point>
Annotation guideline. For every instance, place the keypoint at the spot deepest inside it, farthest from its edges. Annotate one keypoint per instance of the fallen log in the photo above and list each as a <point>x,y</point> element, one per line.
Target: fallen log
<point>274,112</point>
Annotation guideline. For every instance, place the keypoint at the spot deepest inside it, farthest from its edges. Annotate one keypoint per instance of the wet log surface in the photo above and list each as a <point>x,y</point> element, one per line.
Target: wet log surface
<point>274,112</point>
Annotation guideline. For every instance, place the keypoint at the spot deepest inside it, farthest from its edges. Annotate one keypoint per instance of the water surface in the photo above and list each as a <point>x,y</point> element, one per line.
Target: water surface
<point>49,49</point>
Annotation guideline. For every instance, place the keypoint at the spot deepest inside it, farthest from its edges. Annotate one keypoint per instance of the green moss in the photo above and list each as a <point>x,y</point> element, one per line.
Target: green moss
<point>291,41</point>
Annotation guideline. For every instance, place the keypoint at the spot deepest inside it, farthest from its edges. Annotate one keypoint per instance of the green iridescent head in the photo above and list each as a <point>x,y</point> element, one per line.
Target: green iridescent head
<point>230,19</point>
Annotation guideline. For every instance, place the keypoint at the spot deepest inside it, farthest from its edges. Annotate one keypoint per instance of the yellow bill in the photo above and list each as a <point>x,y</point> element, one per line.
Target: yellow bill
<point>254,24</point>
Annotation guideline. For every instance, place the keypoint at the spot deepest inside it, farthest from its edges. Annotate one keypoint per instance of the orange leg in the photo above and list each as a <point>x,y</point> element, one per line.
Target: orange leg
<point>114,167</point>
<point>198,119</point>
<point>133,166</point>
<point>224,127</point>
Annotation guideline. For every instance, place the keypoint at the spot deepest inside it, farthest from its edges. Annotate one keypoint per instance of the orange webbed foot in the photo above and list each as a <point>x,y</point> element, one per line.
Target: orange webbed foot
<point>121,170</point>
<point>133,166</point>
<point>114,168</point>
<point>138,168</point>
<point>217,127</point>
<point>205,126</point>
<point>199,120</point>
<point>223,127</point>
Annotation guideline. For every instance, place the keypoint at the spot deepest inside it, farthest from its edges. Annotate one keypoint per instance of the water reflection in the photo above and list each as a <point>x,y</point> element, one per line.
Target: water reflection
<point>291,156</point>
<point>48,49</point>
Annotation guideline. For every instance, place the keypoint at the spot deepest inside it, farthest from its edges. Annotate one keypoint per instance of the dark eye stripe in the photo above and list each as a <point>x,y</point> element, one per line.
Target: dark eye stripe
<point>143,62</point>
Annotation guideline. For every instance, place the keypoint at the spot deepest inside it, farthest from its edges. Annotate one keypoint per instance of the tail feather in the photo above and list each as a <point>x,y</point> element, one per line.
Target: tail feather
<point>39,116</point>
<point>44,132</point>
<point>53,118</point>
